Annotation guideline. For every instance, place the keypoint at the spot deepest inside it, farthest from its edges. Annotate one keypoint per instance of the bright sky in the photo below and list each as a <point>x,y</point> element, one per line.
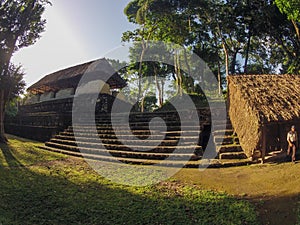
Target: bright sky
<point>77,31</point>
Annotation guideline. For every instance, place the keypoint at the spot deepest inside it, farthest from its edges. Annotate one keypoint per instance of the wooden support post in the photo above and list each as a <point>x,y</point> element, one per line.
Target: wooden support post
<point>264,143</point>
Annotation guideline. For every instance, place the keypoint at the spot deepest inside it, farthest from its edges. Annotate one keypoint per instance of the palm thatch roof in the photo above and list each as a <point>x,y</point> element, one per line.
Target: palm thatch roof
<point>70,77</point>
<point>273,98</point>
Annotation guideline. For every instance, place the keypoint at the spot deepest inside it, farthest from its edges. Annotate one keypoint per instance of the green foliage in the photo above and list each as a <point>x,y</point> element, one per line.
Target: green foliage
<point>160,75</point>
<point>200,100</point>
<point>150,103</point>
<point>39,187</point>
<point>289,7</point>
<point>20,26</point>
<point>12,83</point>
<point>233,37</point>
<point>11,109</point>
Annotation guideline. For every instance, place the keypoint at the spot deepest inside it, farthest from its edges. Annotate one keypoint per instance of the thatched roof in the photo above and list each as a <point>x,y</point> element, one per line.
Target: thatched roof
<point>273,98</point>
<point>71,76</point>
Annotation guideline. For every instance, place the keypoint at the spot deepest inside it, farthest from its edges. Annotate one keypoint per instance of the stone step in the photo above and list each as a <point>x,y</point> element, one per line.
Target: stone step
<point>114,142</point>
<point>219,121</point>
<point>227,132</point>
<point>162,124</point>
<point>86,134</point>
<point>139,118</point>
<point>221,140</point>
<point>67,135</point>
<point>141,122</point>
<point>128,140</point>
<point>117,153</point>
<point>139,115</point>
<point>110,131</point>
<point>136,161</point>
<point>135,117</point>
<point>232,155</point>
<point>146,127</point>
<point>150,148</point>
<point>138,132</point>
<point>193,163</point>
<point>223,126</point>
<point>229,148</point>
<point>172,121</point>
<point>224,163</point>
<point>277,156</point>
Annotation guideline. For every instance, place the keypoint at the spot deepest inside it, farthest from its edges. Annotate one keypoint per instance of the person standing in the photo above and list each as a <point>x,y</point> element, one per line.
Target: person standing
<point>292,139</point>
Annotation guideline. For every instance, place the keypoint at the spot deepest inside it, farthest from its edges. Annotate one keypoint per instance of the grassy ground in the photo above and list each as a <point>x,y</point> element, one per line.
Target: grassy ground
<point>273,188</point>
<point>39,187</point>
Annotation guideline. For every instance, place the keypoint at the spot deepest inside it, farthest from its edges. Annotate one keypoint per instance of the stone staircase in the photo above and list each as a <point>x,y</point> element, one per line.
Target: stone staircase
<point>139,145</point>
<point>227,143</point>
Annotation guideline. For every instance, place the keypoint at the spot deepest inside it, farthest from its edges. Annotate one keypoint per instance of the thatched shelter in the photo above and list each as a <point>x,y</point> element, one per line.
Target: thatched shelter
<point>262,108</point>
<point>70,77</point>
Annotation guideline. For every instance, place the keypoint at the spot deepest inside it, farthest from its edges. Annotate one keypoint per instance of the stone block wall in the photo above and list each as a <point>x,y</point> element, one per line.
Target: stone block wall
<point>65,93</point>
<point>32,99</point>
<point>47,96</point>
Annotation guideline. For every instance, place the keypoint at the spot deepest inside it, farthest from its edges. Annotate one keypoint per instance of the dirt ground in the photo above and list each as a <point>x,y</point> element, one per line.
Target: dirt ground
<point>273,188</point>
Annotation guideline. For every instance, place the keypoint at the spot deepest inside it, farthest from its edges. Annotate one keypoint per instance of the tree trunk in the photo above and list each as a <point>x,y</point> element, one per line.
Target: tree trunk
<point>226,59</point>
<point>140,76</point>
<point>3,139</point>
<point>219,78</point>
<point>160,99</point>
<point>178,73</point>
<point>296,29</point>
<point>187,63</point>
<point>142,104</point>
<point>247,54</point>
<point>188,69</point>
<point>162,91</point>
<point>233,63</point>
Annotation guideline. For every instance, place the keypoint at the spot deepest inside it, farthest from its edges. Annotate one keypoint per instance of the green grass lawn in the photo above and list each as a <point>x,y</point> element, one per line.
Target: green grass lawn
<point>39,187</point>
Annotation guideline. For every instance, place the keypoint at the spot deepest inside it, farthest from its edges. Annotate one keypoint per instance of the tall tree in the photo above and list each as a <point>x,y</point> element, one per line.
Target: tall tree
<point>232,36</point>
<point>292,9</point>
<point>285,45</point>
<point>290,38</point>
<point>21,24</point>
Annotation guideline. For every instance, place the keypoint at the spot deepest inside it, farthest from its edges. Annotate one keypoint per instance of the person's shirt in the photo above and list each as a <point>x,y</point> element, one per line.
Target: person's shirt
<point>292,136</point>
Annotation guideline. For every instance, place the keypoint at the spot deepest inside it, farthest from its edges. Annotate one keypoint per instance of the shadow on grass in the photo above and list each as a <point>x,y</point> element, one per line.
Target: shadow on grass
<point>278,210</point>
<point>8,157</point>
<point>67,194</point>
